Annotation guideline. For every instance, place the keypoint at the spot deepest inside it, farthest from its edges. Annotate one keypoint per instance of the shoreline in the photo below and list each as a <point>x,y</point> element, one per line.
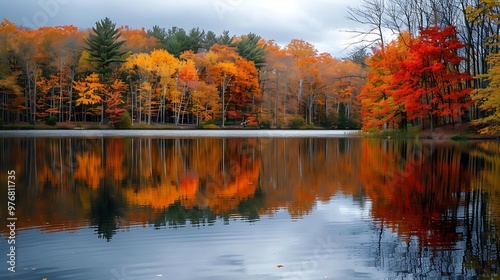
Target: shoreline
<point>232,133</point>
<point>186,133</point>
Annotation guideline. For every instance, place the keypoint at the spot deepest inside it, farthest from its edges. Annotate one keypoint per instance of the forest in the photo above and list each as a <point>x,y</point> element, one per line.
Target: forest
<point>414,64</point>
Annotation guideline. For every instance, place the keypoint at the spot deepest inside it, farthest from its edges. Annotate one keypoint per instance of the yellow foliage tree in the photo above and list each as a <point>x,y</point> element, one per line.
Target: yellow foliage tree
<point>89,93</point>
<point>489,97</point>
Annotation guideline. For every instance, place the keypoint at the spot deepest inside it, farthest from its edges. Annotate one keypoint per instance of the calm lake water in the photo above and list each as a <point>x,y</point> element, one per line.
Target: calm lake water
<point>250,208</point>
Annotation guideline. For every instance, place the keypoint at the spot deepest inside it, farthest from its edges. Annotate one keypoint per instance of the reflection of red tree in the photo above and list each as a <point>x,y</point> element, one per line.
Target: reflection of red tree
<point>415,194</point>
<point>114,162</point>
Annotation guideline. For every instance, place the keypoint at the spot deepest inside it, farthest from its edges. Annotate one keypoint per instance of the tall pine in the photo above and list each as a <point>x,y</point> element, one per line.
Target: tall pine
<point>104,47</point>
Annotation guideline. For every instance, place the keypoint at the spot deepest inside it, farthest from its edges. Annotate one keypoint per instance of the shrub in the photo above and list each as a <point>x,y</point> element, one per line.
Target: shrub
<point>52,120</point>
<point>296,122</point>
<point>212,121</point>
<point>345,122</point>
<point>78,124</point>
<point>265,124</point>
<point>458,137</point>
<point>125,121</point>
<point>332,120</point>
<point>209,126</point>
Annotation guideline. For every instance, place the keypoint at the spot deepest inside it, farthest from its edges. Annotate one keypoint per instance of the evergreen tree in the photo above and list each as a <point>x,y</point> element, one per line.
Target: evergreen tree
<point>209,40</point>
<point>176,41</point>
<point>159,33</point>
<point>225,39</point>
<point>104,49</point>
<point>250,49</point>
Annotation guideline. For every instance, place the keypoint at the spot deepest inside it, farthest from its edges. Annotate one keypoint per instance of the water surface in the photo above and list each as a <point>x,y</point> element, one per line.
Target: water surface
<point>160,207</point>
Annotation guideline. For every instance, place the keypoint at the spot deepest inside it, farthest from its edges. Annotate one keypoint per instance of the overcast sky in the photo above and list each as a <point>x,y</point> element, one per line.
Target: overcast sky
<point>319,22</point>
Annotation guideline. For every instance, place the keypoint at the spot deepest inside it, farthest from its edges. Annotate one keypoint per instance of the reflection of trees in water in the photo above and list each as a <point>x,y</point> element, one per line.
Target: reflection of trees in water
<point>107,208</point>
<point>482,213</point>
<point>436,206</point>
<point>474,255</point>
<point>441,200</point>
<point>296,173</point>
<point>178,215</point>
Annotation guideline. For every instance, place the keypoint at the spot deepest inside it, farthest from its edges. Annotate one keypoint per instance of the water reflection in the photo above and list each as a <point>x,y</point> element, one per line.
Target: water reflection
<point>441,200</point>
<point>436,197</point>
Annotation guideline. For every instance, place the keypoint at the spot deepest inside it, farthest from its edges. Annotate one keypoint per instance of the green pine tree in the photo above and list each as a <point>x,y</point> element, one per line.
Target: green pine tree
<point>249,48</point>
<point>104,47</point>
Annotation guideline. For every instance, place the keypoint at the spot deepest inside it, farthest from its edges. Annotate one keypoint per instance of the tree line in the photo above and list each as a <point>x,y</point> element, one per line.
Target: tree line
<point>420,64</point>
<point>171,76</point>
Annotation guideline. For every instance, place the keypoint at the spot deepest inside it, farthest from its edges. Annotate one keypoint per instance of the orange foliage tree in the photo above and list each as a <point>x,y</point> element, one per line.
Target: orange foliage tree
<point>188,77</point>
<point>236,77</point>
<point>379,108</point>
<point>137,40</point>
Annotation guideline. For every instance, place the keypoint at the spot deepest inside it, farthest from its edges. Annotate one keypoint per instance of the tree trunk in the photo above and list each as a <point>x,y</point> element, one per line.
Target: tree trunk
<point>150,105</point>
<point>61,115</point>
<point>276,102</point>
<point>284,100</point>
<point>299,96</point>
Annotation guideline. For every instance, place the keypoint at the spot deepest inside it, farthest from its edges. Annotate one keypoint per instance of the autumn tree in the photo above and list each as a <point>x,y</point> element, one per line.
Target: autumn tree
<point>223,73</point>
<point>137,40</point>
<point>89,93</point>
<point>114,100</point>
<point>378,107</point>
<point>188,77</point>
<point>164,70</point>
<point>305,55</point>
<point>206,101</point>
<point>203,94</point>
<point>342,81</point>
<point>12,99</point>
<point>154,80</point>
<point>62,46</point>
<point>27,47</point>
<point>235,77</point>
<point>489,98</point>
<point>431,83</point>
<point>483,18</point>
<point>275,80</point>
<point>416,79</point>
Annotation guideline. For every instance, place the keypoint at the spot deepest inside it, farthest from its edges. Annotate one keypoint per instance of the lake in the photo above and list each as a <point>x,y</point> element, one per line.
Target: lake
<point>97,205</point>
